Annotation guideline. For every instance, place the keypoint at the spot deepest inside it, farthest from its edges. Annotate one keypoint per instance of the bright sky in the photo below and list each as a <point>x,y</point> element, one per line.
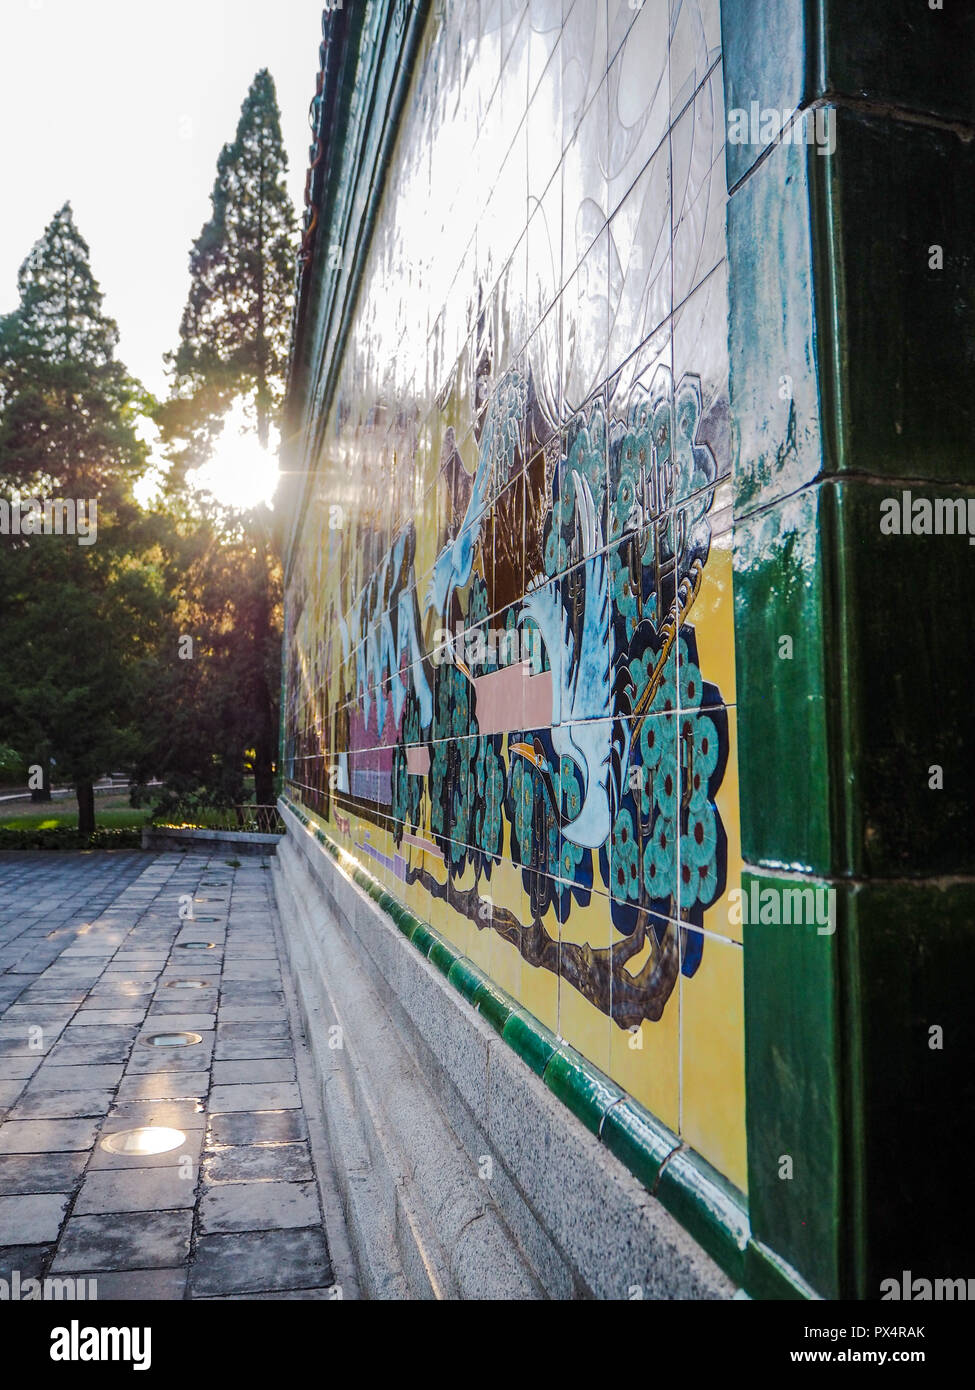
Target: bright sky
<point>122,107</point>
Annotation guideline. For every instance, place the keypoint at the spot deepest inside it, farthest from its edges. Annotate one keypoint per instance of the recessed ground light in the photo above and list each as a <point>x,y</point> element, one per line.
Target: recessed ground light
<point>206,919</point>
<point>171,1040</point>
<point>186,984</point>
<point>148,1139</point>
<point>221,884</point>
<point>196,945</point>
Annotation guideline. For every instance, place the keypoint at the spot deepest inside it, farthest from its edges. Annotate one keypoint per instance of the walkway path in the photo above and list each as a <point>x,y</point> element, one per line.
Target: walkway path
<point>96,961</point>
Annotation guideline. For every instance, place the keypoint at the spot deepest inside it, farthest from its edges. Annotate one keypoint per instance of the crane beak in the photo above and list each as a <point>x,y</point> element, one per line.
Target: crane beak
<point>527,751</point>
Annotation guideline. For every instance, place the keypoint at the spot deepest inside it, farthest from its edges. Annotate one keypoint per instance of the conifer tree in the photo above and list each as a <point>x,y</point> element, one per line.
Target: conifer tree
<point>235,329</point>
<point>77,619</point>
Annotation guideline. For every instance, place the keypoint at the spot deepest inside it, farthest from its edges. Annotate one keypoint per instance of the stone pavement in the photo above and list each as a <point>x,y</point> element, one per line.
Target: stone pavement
<point>95,961</point>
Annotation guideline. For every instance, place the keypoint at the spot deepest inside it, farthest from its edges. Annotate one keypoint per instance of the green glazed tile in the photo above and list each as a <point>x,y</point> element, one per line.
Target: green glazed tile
<point>494,1004</point>
<point>912,962</point>
<point>768,1277</point>
<point>422,938</point>
<point>907,662</point>
<point>764,52</point>
<point>783,724</point>
<point>903,362</point>
<point>895,52</point>
<point>708,1207</point>
<point>465,977</point>
<point>777,446</point>
<point>902,53</point>
<point>443,956</point>
<point>794,1073</point>
<point>532,1041</point>
<point>580,1086</point>
<point>638,1141</point>
<point>406,921</point>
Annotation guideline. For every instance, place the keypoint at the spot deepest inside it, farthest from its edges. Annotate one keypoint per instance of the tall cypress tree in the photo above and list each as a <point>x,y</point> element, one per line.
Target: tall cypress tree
<point>68,405</point>
<point>235,329</point>
<point>76,619</point>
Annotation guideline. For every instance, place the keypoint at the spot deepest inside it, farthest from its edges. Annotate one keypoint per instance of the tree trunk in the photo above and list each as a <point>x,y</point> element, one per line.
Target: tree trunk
<point>86,807</point>
<point>43,792</point>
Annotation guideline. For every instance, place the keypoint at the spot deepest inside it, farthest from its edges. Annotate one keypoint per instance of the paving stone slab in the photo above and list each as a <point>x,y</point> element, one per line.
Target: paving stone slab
<point>260,1261</point>
<point>93,1054</point>
<point>250,1073</point>
<point>10,1090</point>
<point>142,1286</point>
<point>116,986</point>
<point>61,1105</point>
<point>253,1013</point>
<point>41,1172</point>
<point>17,1068</point>
<point>270,1095</point>
<point>255,1050</point>
<point>23,1045</point>
<point>188,1113</point>
<point>258,1163</point>
<point>84,1034</point>
<point>258,1206</point>
<point>256,1127</point>
<point>34,1218</point>
<point>128,1240</point>
<point>195,1023</point>
<point>164,1085</point>
<point>93,1017</point>
<point>49,1015</point>
<point>46,1136</point>
<point>147,1059</point>
<point>73,1078</point>
<point>54,994</point>
<point>246,1032</point>
<point>177,1003</point>
<point>134,1189</point>
<point>24,1261</point>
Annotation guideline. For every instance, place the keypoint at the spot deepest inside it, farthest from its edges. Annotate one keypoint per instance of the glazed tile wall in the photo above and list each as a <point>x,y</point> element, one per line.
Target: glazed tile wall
<point>510,658</point>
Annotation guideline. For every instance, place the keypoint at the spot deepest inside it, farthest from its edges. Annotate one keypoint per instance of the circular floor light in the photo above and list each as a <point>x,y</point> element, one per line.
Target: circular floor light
<point>172,1040</point>
<point>186,984</point>
<point>196,945</point>
<point>146,1140</point>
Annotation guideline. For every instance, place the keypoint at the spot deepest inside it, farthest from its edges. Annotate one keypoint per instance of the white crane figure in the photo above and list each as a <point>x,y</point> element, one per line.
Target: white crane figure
<point>584,730</point>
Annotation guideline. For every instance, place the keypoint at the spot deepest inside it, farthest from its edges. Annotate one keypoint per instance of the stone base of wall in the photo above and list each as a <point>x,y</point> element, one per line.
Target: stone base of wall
<point>462,1175</point>
<point>231,842</point>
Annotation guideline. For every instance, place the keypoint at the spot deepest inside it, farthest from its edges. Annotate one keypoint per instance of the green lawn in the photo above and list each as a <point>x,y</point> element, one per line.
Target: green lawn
<point>111,813</point>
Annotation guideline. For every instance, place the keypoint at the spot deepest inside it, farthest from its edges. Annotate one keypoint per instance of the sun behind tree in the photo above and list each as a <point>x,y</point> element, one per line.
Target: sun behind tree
<point>235,329</point>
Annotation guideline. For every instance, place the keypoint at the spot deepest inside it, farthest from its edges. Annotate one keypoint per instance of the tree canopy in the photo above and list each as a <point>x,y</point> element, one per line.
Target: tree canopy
<point>235,329</point>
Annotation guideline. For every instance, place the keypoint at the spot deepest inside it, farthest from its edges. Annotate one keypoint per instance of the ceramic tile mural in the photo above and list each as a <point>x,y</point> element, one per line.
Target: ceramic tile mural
<point>510,653</point>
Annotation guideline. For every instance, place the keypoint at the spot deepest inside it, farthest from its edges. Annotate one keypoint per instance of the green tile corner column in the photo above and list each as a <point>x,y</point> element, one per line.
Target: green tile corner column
<point>851,228</point>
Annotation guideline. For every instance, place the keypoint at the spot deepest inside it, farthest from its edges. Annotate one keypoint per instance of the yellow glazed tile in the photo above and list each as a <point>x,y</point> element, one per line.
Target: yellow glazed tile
<point>581,1023</point>
<point>504,961</point>
<point>645,1058</point>
<point>712,615</point>
<point>713,1059</point>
